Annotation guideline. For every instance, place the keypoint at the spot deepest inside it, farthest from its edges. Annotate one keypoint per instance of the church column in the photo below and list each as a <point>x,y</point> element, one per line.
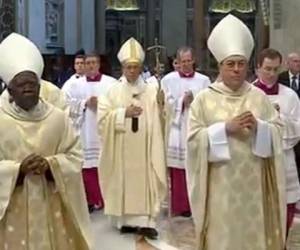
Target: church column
<point>262,30</point>
<point>88,25</point>
<point>150,35</point>
<point>200,26</point>
<point>71,31</point>
<point>7,18</point>
<point>174,24</point>
<point>100,26</point>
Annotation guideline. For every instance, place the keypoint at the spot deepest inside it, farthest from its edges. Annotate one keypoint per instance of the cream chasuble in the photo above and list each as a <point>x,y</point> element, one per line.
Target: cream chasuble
<point>236,184</point>
<point>132,165</point>
<point>50,93</point>
<point>41,214</point>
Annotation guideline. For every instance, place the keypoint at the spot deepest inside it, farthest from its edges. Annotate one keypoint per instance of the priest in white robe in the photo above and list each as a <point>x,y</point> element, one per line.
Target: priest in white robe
<point>286,101</point>
<point>82,97</point>
<point>132,163</point>
<point>180,87</point>
<point>42,199</point>
<point>235,171</point>
<point>79,66</point>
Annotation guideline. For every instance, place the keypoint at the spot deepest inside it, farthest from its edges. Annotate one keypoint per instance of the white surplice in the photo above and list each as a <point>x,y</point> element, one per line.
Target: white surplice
<point>289,104</point>
<point>85,119</point>
<point>175,88</point>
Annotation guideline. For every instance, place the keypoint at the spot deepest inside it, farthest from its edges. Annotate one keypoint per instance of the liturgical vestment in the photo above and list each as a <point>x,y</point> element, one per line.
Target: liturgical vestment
<point>41,213</point>
<point>236,183</point>
<point>132,164</point>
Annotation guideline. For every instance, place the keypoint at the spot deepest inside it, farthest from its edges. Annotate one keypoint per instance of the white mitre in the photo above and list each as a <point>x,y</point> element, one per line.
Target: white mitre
<point>230,37</point>
<point>131,52</point>
<point>19,54</point>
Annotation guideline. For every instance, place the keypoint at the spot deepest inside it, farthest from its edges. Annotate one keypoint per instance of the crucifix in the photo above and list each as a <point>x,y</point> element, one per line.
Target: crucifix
<point>159,69</point>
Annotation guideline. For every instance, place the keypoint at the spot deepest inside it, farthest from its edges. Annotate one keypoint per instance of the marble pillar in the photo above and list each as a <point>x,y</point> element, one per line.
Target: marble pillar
<point>174,24</point>
<point>100,30</point>
<point>200,32</point>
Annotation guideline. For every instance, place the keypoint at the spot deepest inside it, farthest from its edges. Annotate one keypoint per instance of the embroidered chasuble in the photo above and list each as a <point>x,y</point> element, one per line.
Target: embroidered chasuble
<point>236,184</point>
<point>132,164</point>
<point>41,214</point>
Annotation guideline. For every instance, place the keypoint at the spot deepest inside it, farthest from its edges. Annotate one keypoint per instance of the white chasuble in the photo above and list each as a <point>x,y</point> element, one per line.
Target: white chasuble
<point>132,164</point>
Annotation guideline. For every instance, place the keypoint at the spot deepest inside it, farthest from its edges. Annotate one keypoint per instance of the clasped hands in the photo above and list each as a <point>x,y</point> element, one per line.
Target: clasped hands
<point>92,103</point>
<point>133,111</point>
<point>188,99</point>
<point>34,164</point>
<point>241,122</point>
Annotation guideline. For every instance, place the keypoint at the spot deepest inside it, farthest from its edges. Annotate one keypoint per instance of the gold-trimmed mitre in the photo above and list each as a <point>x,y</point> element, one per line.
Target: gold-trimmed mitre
<point>131,52</point>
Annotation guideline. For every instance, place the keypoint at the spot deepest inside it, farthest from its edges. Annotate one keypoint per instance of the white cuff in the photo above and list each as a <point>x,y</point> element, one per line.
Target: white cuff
<point>120,119</point>
<point>262,145</point>
<point>218,143</point>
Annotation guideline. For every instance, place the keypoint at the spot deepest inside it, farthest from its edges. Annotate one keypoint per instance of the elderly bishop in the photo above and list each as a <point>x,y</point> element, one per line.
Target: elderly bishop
<point>132,165</point>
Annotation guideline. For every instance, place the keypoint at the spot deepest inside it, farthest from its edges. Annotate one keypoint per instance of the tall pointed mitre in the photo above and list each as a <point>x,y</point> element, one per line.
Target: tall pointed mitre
<point>131,52</point>
<point>19,54</point>
<point>230,37</point>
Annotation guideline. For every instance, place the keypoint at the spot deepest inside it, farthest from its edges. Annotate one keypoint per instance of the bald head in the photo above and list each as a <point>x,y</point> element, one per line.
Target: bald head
<point>293,63</point>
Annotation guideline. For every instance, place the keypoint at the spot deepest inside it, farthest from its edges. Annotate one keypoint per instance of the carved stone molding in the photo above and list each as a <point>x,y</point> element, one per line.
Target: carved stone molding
<point>7,18</point>
<point>54,21</point>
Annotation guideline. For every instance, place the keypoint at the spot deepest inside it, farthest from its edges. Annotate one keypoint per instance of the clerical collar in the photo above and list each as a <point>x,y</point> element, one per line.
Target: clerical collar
<point>95,78</point>
<point>269,90</point>
<point>186,75</point>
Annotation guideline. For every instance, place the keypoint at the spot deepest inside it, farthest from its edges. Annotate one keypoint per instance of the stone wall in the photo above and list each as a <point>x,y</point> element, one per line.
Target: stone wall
<point>284,25</point>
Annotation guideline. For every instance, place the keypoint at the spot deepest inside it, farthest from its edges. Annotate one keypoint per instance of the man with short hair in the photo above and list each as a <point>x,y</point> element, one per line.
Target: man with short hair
<point>82,96</point>
<point>291,77</point>
<point>41,188</point>
<point>132,163</point>
<point>286,101</point>
<point>234,162</point>
<point>79,66</point>
<point>180,87</point>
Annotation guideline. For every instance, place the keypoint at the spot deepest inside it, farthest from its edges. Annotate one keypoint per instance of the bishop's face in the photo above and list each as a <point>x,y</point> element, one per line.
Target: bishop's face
<point>233,71</point>
<point>24,90</point>
<point>132,71</point>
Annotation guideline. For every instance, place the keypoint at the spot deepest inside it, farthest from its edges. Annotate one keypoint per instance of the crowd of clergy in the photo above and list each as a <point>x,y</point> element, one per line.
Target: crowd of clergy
<point>223,153</point>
